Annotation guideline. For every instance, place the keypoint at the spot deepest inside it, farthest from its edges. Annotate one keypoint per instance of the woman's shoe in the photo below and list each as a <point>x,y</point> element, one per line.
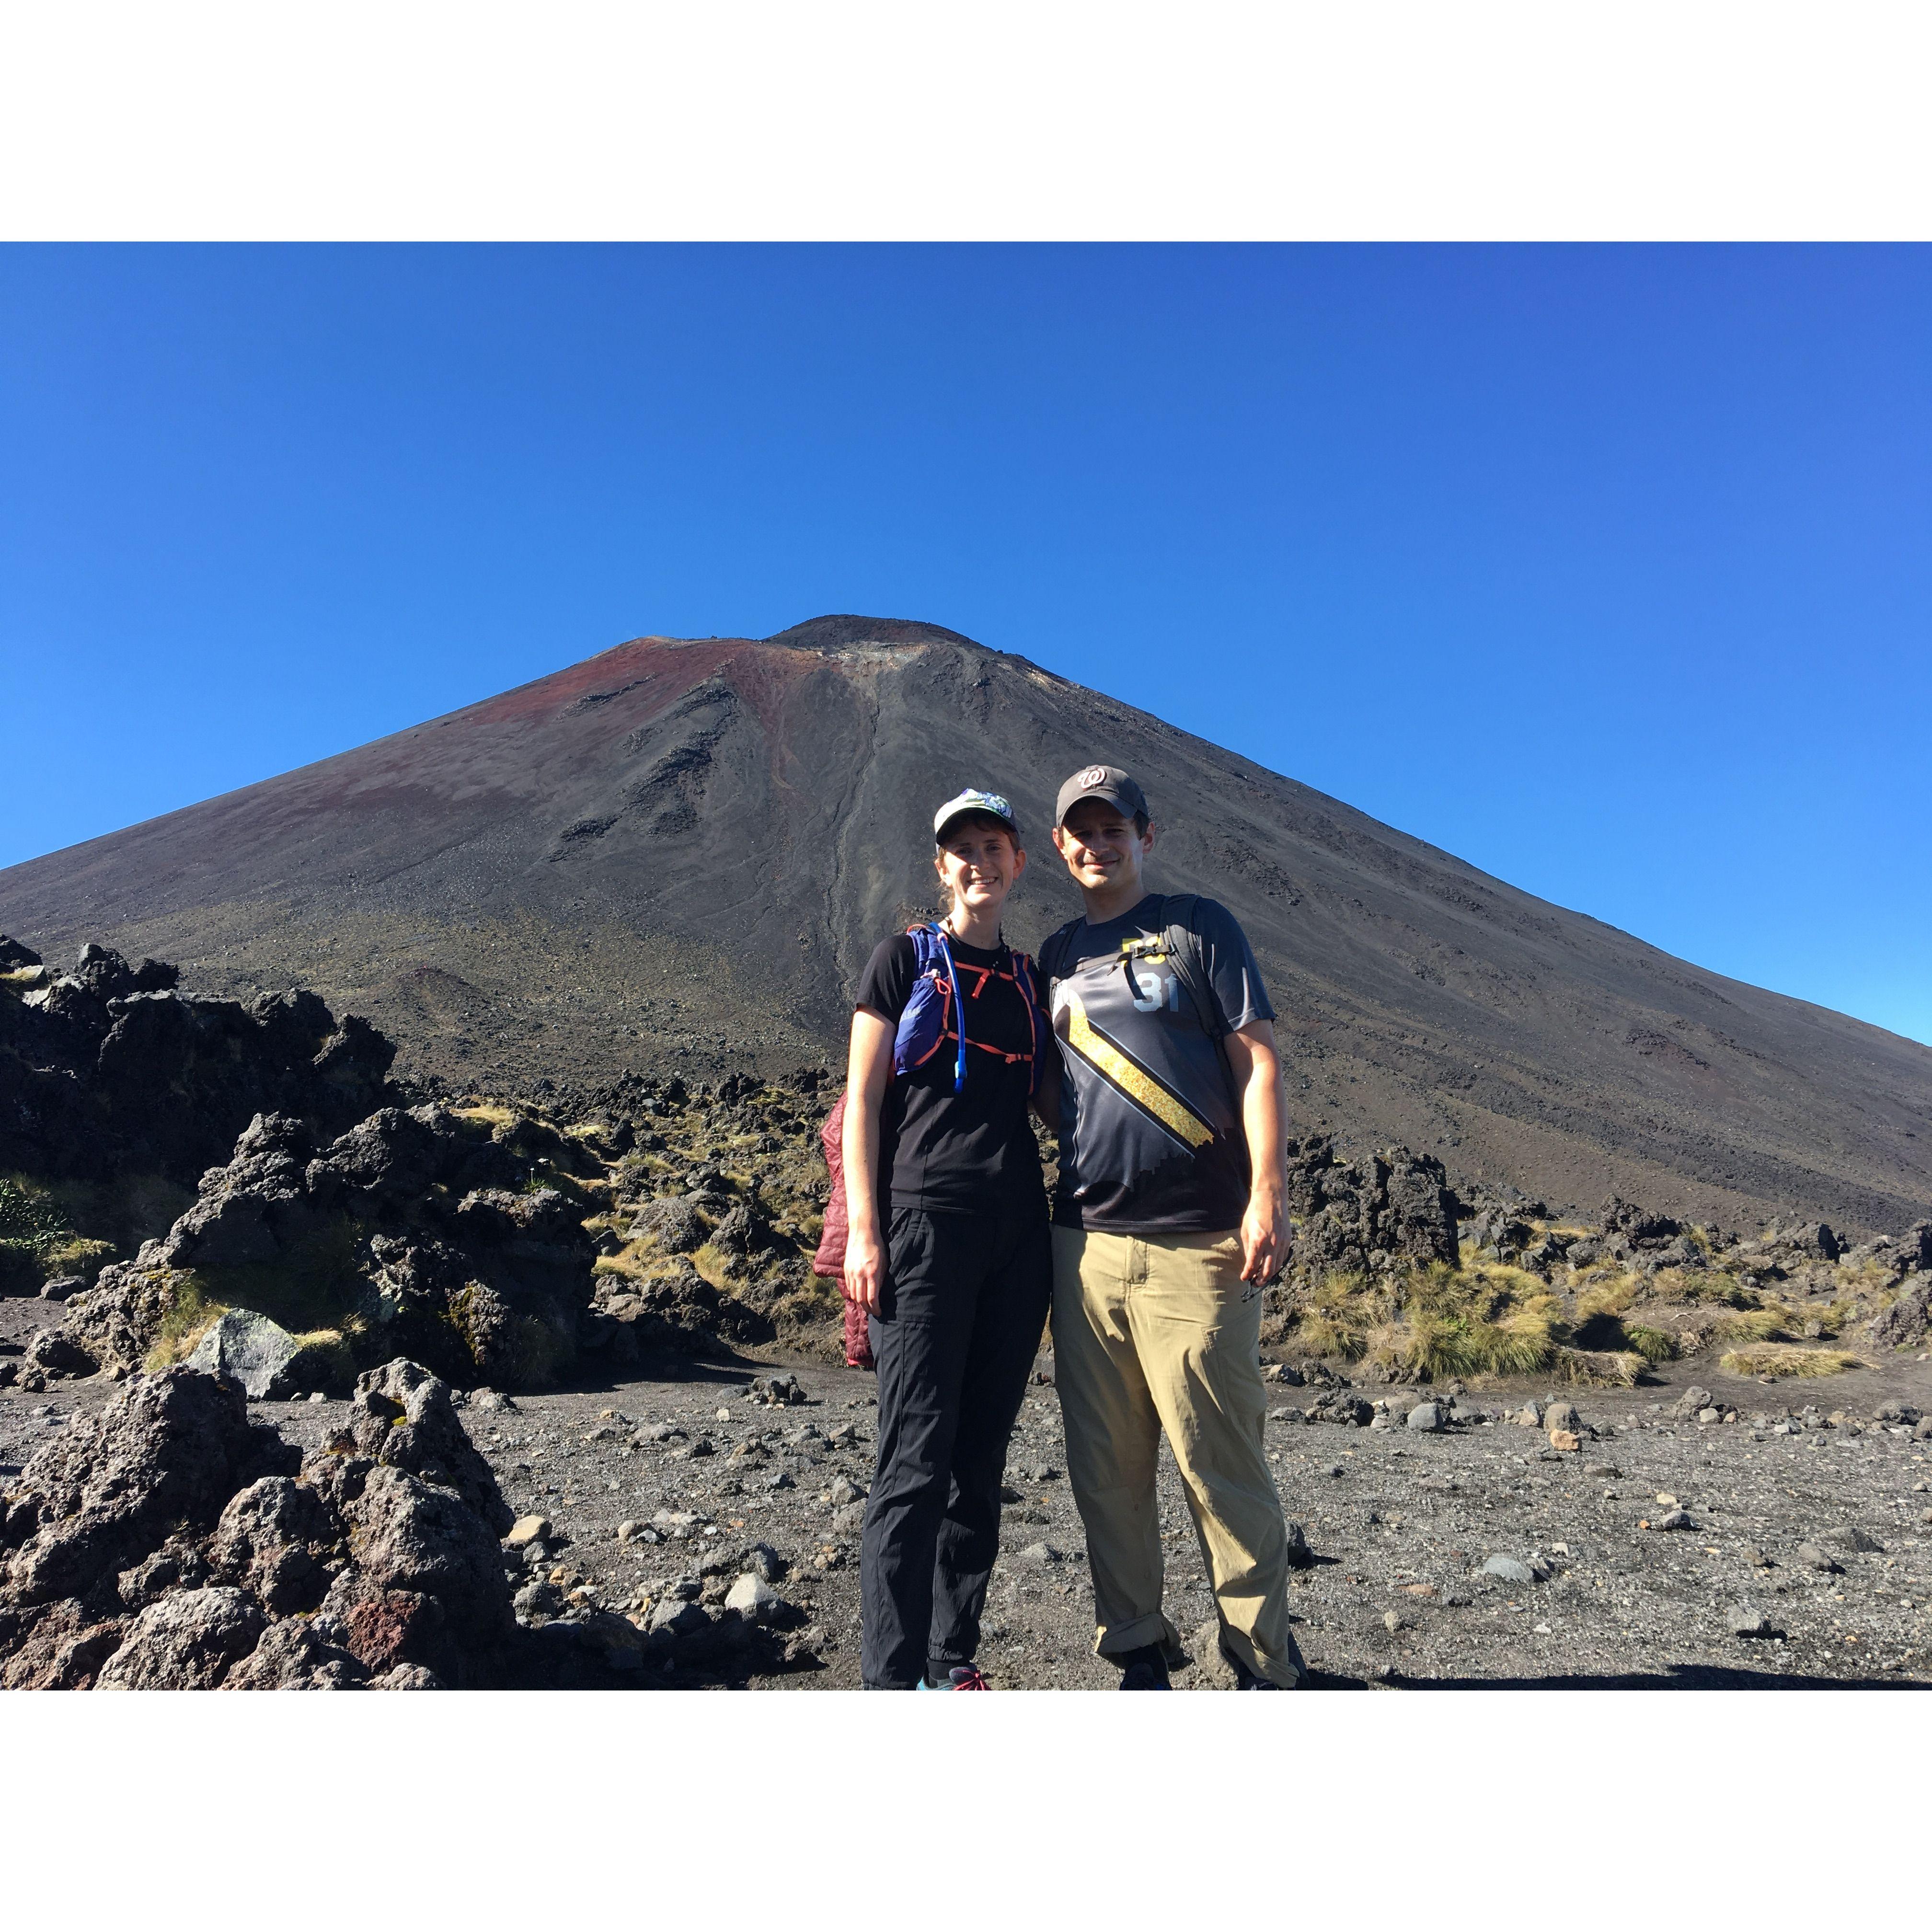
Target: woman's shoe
<point>960,1677</point>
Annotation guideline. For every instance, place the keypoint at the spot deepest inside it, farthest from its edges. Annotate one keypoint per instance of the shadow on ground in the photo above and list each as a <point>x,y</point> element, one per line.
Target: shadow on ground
<point>1672,1677</point>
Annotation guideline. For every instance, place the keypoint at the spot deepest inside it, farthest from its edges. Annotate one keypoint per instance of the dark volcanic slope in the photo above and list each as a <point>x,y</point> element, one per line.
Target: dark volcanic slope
<point>679,853</point>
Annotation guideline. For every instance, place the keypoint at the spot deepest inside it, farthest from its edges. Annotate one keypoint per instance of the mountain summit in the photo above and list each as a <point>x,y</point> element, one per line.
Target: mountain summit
<point>678,853</point>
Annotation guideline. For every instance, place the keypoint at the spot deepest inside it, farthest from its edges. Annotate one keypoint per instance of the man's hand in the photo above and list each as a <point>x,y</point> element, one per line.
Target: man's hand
<point>865,1267</point>
<point>1265,1239</point>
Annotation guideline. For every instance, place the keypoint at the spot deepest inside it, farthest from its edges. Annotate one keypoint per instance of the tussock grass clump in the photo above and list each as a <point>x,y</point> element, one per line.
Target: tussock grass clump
<point>1773,1360</point>
<point>1835,1320</point>
<point>191,1313</point>
<point>32,1226</point>
<point>1869,1276</point>
<point>1611,1297</point>
<point>1603,1330</point>
<point>1752,1324</point>
<point>49,1227</point>
<point>80,1256</point>
<point>1654,1345</point>
<point>1705,1286</point>
<point>1343,1311</point>
<point>1598,1368</point>
<point>1436,1321</point>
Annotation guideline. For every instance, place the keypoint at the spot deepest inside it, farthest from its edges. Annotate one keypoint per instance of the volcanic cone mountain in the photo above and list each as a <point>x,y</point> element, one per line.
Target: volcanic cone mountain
<point>675,855</point>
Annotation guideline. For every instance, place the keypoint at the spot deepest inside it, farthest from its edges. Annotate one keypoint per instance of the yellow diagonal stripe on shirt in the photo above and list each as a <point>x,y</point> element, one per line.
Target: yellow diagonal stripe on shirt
<point>1101,1054</point>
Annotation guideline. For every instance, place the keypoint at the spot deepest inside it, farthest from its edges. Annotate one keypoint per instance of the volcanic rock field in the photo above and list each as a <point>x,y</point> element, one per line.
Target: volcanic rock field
<point>312,1375</point>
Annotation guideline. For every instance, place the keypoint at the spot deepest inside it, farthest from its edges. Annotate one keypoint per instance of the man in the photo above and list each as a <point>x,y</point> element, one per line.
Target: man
<point>1168,1223</point>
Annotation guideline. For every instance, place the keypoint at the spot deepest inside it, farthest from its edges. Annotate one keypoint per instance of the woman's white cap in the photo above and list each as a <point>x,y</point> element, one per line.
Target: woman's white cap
<point>990,802</point>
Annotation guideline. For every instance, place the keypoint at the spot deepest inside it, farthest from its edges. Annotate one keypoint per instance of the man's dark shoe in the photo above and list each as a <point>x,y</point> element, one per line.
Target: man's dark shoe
<point>1245,1679</point>
<point>1144,1669</point>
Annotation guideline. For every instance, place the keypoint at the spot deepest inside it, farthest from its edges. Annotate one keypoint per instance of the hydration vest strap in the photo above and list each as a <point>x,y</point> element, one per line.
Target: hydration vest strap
<point>952,979</point>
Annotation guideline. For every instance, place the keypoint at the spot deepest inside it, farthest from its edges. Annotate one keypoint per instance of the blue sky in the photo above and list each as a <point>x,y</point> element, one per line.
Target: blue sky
<point>1609,569</point>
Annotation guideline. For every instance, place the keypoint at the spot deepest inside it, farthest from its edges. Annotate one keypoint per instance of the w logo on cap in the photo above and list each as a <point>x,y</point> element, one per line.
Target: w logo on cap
<point>1093,775</point>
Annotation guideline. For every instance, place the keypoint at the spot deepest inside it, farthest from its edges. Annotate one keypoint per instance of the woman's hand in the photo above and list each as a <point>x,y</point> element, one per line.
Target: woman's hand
<point>865,1267</point>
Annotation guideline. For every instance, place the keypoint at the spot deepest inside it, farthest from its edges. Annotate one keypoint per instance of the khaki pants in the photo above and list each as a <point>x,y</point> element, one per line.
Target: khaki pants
<point>1164,1334</point>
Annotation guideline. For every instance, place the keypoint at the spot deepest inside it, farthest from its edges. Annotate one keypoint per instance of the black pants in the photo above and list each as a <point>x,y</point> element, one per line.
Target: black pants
<point>965,1301</point>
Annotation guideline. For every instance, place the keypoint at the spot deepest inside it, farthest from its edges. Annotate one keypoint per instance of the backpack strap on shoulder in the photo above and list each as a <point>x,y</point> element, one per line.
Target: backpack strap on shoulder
<point>1185,953</point>
<point>937,941</point>
<point>1027,978</point>
<point>1189,958</point>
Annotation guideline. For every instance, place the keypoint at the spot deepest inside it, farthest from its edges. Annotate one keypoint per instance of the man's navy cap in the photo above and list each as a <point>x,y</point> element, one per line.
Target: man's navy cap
<point>1103,781</point>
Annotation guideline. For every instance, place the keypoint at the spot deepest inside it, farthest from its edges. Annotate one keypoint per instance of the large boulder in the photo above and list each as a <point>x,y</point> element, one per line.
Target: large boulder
<point>294,1655</point>
<point>370,1242</point>
<point>1391,1207</point>
<point>403,1416</point>
<point>250,1209</point>
<point>278,1539</point>
<point>1811,1240</point>
<point>165,1543</point>
<point>1906,1321</point>
<point>249,1349</point>
<point>184,1642</point>
<point>673,1222</point>
<point>58,1646</point>
<point>56,1353</point>
<point>406,1534</point>
<point>169,1453</point>
<point>1637,1225</point>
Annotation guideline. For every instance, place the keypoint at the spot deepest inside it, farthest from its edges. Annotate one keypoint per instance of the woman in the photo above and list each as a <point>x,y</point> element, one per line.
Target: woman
<point>948,1247</point>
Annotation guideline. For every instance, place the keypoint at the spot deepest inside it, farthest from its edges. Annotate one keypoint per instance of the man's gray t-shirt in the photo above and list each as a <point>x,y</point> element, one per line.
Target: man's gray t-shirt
<point>1151,1137</point>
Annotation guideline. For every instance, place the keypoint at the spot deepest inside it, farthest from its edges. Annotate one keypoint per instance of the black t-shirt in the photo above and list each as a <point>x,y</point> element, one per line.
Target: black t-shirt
<point>1151,1139</point>
<point>969,1152</point>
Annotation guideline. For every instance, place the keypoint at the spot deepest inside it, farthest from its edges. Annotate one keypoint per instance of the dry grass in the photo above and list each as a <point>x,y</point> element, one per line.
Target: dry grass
<point>1599,1368</point>
<point>1618,1348</point>
<point>193,1313</point>
<point>1705,1286</point>
<point>1872,1277</point>
<point>1774,1361</point>
<point>1431,1324</point>
<point>1751,1324</point>
<point>1654,1345</point>
<point>80,1256</point>
<point>1341,1314</point>
<point>1608,1297</point>
<point>1436,1322</point>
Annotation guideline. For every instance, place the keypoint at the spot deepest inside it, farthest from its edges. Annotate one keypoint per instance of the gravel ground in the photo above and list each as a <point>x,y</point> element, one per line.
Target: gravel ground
<point>1399,1525</point>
